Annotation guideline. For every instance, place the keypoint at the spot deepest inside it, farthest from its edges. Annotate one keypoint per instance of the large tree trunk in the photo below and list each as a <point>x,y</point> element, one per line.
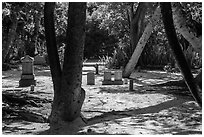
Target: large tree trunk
<point>141,44</point>
<point>177,51</point>
<point>188,34</point>
<point>73,59</point>
<point>68,94</point>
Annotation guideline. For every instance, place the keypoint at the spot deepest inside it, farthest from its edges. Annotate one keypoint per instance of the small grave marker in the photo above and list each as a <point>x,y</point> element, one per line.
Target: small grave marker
<point>117,80</point>
<point>107,78</point>
<point>90,78</point>
<point>39,60</point>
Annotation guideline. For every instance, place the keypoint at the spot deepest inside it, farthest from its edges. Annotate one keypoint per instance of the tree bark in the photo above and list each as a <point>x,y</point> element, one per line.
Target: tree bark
<point>141,44</point>
<point>189,35</point>
<point>68,94</point>
<point>74,95</point>
<point>177,51</point>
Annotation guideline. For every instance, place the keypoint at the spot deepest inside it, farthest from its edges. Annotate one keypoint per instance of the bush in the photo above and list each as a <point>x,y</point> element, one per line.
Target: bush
<point>107,61</point>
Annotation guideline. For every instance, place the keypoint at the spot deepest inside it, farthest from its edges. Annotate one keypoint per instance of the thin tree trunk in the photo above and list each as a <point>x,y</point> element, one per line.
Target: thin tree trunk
<point>141,44</point>
<point>178,53</point>
<point>52,56</point>
<point>189,35</point>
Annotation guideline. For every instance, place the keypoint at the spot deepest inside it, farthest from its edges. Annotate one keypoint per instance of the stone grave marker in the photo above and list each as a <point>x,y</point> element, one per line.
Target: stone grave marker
<point>107,78</point>
<point>90,78</point>
<point>118,78</point>
<point>39,60</point>
<point>27,76</point>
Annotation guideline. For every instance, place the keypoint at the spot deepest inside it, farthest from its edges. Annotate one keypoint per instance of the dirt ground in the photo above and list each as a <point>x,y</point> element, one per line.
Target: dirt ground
<point>113,109</point>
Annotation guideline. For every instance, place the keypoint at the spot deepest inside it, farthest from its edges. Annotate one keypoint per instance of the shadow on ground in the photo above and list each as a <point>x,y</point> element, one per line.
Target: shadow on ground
<point>159,119</point>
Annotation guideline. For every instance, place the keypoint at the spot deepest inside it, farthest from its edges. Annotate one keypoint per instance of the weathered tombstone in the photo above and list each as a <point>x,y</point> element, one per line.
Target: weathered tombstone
<point>32,88</point>
<point>39,60</point>
<point>118,78</point>
<point>27,76</point>
<point>125,81</point>
<point>107,78</point>
<point>90,78</point>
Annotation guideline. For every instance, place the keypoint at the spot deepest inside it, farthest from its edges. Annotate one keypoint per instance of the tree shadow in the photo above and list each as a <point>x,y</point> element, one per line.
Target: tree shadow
<point>177,88</point>
<point>189,132</point>
<point>152,113</point>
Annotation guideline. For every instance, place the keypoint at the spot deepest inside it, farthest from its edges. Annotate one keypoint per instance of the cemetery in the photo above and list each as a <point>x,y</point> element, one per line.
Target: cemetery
<point>106,79</point>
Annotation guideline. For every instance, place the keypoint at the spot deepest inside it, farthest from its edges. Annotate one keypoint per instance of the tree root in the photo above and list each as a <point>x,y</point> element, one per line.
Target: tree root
<point>26,115</point>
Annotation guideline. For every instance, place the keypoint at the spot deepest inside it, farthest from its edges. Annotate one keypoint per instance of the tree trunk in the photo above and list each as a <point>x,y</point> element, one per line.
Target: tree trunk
<point>136,25</point>
<point>68,94</point>
<point>189,35</point>
<point>141,44</point>
<point>178,53</point>
<point>74,95</point>
<point>11,37</point>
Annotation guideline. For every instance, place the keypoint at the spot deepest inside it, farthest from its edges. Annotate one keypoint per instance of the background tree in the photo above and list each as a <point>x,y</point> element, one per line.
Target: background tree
<point>28,32</point>
<point>10,22</point>
<point>68,94</point>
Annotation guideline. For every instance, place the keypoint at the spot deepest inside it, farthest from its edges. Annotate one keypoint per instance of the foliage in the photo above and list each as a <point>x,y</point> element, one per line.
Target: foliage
<point>98,42</point>
<point>107,28</point>
<point>107,61</point>
<point>26,30</point>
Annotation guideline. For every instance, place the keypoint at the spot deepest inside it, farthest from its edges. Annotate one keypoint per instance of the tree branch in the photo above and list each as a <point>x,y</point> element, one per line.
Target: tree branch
<point>51,41</point>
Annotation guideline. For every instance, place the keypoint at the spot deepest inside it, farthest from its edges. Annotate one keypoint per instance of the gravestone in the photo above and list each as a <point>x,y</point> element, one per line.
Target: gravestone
<point>39,60</point>
<point>125,81</point>
<point>118,78</point>
<point>27,76</point>
<point>107,78</point>
<point>90,78</point>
